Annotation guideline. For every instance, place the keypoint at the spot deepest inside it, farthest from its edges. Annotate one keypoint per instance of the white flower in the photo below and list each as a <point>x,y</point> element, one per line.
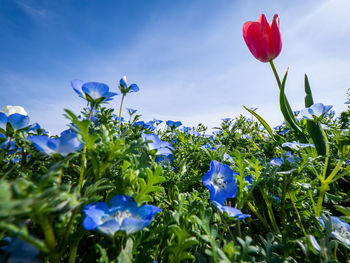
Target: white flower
<point>9,110</point>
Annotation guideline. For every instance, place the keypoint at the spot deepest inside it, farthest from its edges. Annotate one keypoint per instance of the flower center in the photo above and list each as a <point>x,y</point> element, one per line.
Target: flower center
<point>342,231</point>
<point>117,216</point>
<point>219,181</point>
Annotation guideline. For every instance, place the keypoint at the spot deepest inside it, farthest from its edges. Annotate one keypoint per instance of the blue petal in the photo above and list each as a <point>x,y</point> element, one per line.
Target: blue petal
<point>123,82</point>
<point>69,143</point>
<point>147,211</point>
<point>109,227</point>
<point>95,213</point>
<point>164,152</point>
<point>95,90</point>
<point>77,85</point>
<point>41,143</point>
<point>3,120</point>
<point>276,162</point>
<point>18,121</point>
<point>123,202</point>
<point>110,94</point>
<point>131,225</point>
<point>134,88</point>
<point>231,211</point>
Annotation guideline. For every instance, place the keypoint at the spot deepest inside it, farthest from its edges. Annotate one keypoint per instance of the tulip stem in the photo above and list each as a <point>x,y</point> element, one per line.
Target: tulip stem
<point>120,113</point>
<point>275,73</point>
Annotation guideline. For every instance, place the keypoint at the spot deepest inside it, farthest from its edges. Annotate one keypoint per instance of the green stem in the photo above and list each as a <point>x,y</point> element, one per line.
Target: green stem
<point>327,154</point>
<point>120,113</point>
<point>297,212</point>
<point>50,239</point>
<point>82,168</point>
<point>257,213</point>
<point>335,171</point>
<point>320,198</point>
<point>275,73</point>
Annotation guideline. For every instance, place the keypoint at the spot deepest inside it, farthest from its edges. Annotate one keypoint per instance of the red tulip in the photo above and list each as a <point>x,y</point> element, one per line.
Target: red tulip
<point>263,40</point>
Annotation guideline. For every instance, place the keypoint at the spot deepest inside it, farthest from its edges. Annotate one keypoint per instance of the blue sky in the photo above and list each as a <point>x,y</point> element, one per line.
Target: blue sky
<point>188,57</point>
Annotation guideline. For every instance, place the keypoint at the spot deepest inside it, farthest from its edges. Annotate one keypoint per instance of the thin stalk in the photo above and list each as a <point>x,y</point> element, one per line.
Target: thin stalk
<point>50,238</point>
<point>275,73</point>
<point>120,113</point>
<point>327,154</point>
<point>297,212</point>
<point>335,171</point>
<point>320,198</point>
<point>8,144</point>
<point>257,213</point>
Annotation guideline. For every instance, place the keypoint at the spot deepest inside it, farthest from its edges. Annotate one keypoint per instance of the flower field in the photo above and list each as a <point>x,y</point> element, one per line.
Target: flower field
<point>114,188</point>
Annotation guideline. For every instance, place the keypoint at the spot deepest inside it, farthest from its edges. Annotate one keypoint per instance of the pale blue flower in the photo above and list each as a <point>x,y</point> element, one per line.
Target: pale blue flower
<point>315,112</point>
<point>231,211</point>
<point>220,182</point>
<point>92,90</point>
<point>340,230</point>
<point>123,214</point>
<point>155,143</point>
<point>174,124</point>
<point>126,88</point>
<point>63,145</point>
<point>296,145</point>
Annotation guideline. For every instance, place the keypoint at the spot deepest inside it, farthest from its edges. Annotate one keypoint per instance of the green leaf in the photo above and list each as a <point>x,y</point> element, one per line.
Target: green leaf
<point>145,188</point>
<point>287,111</point>
<point>125,255</point>
<point>314,128</point>
<point>262,121</point>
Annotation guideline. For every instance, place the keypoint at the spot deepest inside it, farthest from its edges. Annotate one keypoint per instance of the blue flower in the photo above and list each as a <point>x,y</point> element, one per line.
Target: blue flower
<point>92,91</point>
<point>122,215</point>
<point>157,121</point>
<point>245,136</point>
<point>65,144</point>
<point>131,111</point>
<point>340,230</point>
<point>284,132</point>
<point>220,182</point>
<point>8,146</point>
<point>208,146</point>
<point>18,250</point>
<point>125,88</point>
<point>347,102</point>
<point>14,115</point>
<point>280,161</point>
<point>297,146</point>
<point>174,124</point>
<point>227,158</point>
<point>231,211</point>
<point>316,111</point>
<point>226,119</point>
<point>163,148</point>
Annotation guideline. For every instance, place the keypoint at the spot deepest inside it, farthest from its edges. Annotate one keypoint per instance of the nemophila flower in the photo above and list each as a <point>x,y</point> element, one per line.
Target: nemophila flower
<point>226,119</point>
<point>63,145</point>
<point>121,119</point>
<point>163,148</point>
<point>193,133</point>
<point>131,111</point>
<point>231,211</point>
<point>280,161</point>
<point>156,121</point>
<point>245,136</point>
<point>92,91</point>
<point>227,158</point>
<point>14,115</point>
<point>174,124</point>
<point>220,182</point>
<point>316,111</point>
<point>122,215</point>
<point>296,145</point>
<point>217,132</point>
<point>340,230</point>
<point>296,112</point>
<point>8,145</point>
<point>263,39</point>
<point>18,250</point>
<point>126,88</point>
<point>284,132</point>
<point>347,102</point>
<point>208,146</point>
